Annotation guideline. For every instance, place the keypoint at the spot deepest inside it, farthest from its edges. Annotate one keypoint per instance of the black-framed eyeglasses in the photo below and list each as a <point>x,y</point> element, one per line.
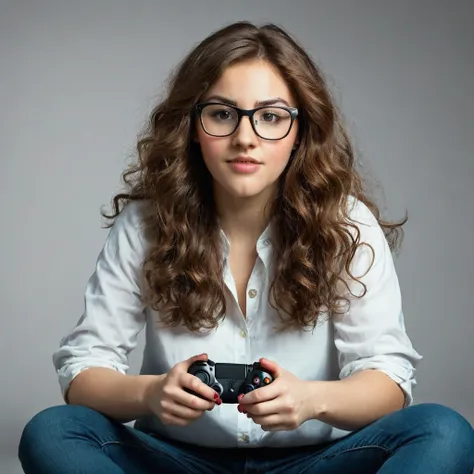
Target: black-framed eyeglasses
<point>268,122</point>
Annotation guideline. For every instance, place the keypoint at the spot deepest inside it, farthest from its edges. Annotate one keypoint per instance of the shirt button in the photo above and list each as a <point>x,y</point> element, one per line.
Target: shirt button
<point>266,241</point>
<point>252,293</point>
<point>243,334</point>
<point>244,437</point>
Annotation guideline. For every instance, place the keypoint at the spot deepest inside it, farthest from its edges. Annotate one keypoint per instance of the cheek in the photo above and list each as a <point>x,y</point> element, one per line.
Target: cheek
<point>279,156</point>
<point>211,148</point>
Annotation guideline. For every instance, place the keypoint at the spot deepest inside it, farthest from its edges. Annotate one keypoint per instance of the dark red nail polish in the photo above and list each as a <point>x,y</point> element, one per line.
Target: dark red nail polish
<point>216,396</point>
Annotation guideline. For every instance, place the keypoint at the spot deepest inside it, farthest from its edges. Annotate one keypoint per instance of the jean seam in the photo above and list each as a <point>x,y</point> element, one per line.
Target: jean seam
<point>355,448</point>
<point>151,450</point>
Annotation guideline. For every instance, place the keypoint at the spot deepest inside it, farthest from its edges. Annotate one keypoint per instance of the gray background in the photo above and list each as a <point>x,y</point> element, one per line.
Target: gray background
<point>77,82</point>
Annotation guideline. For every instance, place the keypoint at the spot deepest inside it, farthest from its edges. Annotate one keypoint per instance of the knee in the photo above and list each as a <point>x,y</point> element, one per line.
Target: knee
<point>46,429</point>
<point>449,429</point>
<point>442,420</point>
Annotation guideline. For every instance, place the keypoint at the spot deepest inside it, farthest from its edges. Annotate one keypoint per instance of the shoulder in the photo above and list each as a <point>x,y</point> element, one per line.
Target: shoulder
<point>361,217</point>
<point>360,214</point>
<point>133,216</point>
<point>129,227</point>
<point>372,246</point>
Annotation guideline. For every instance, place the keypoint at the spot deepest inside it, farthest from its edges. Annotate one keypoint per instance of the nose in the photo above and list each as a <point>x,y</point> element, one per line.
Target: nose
<point>245,136</point>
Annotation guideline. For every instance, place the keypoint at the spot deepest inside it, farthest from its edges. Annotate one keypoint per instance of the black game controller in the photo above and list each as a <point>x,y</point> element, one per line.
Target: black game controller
<point>230,380</point>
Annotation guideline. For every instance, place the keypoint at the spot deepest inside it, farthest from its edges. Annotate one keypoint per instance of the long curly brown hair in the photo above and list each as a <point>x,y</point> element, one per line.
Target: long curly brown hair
<point>315,239</point>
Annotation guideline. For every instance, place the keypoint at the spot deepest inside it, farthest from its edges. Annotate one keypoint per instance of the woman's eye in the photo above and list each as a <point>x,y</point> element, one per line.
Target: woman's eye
<point>222,115</point>
<point>270,117</point>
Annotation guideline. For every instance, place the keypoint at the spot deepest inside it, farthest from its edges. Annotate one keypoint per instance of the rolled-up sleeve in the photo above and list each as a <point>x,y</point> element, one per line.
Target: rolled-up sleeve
<point>113,311</point>
<point>371,334</point>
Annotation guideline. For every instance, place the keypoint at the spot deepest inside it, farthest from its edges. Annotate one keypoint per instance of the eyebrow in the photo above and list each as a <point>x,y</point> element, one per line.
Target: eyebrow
<point>260,103</point>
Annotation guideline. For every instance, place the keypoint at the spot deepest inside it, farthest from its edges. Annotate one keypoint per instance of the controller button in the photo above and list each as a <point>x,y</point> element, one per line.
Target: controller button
<point>211,362</point>
<point>266,380</point>
<point>256,380</point>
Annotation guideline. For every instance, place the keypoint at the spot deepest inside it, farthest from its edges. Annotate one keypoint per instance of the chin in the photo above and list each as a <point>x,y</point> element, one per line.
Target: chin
<point>241,189</point>
<point>244,193</point>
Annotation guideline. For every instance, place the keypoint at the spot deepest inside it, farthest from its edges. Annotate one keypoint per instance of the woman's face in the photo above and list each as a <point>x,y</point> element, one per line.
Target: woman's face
<point>247,85</point>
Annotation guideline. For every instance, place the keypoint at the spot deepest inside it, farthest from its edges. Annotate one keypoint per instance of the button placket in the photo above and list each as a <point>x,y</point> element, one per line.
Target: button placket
<point>252,303</point>
<point>241,341</point>
<point>254,286</point>
<point>254,295</point>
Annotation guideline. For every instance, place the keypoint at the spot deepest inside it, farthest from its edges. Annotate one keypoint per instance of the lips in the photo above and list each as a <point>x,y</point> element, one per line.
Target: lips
<point>245,159</point>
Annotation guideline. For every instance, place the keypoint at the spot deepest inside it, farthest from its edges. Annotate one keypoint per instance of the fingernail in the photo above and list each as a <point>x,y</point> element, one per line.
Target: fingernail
<point>216,396</point>
<point>240,409</point>
<point>240,397</point>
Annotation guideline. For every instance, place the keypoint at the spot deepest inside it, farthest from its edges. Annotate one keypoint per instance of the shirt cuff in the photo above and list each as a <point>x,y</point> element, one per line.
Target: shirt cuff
<point>397,368</point>
<point>69,372</point>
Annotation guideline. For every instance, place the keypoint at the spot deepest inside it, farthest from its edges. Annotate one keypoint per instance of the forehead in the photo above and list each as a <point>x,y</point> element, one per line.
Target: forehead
<point>249,82</point>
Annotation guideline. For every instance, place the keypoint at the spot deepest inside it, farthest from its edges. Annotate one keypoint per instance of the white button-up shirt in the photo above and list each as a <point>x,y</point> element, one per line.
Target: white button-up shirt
<point>371,335</point>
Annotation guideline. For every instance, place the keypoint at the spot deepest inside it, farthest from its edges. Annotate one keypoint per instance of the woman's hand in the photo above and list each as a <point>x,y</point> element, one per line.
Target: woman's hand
<point>283,405</point>
<point>167,399</point>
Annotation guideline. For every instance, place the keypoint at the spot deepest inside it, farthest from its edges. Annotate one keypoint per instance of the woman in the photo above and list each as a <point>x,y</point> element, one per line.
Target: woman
<point>245,235</point>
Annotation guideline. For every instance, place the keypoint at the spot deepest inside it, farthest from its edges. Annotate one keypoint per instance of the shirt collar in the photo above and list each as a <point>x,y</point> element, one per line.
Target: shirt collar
<point>264,242</point>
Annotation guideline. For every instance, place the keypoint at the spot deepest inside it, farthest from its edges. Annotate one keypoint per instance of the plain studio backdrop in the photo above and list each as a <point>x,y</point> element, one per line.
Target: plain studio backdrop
<point>77,81</point>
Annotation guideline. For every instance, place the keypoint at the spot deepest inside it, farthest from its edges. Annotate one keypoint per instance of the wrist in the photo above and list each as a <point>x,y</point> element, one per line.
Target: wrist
<point>317,400</point>
<point>148,389</point>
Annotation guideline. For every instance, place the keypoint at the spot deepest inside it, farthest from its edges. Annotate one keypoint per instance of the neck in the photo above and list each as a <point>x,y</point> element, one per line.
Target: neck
<point>242,219</point>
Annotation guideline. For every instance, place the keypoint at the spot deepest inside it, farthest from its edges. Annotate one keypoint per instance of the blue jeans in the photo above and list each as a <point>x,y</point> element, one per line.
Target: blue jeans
<point>420,439</point>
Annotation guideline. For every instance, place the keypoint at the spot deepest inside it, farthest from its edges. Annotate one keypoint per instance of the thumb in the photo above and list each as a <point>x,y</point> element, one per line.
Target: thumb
<point>195,358</point>
<point>272,367</point>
